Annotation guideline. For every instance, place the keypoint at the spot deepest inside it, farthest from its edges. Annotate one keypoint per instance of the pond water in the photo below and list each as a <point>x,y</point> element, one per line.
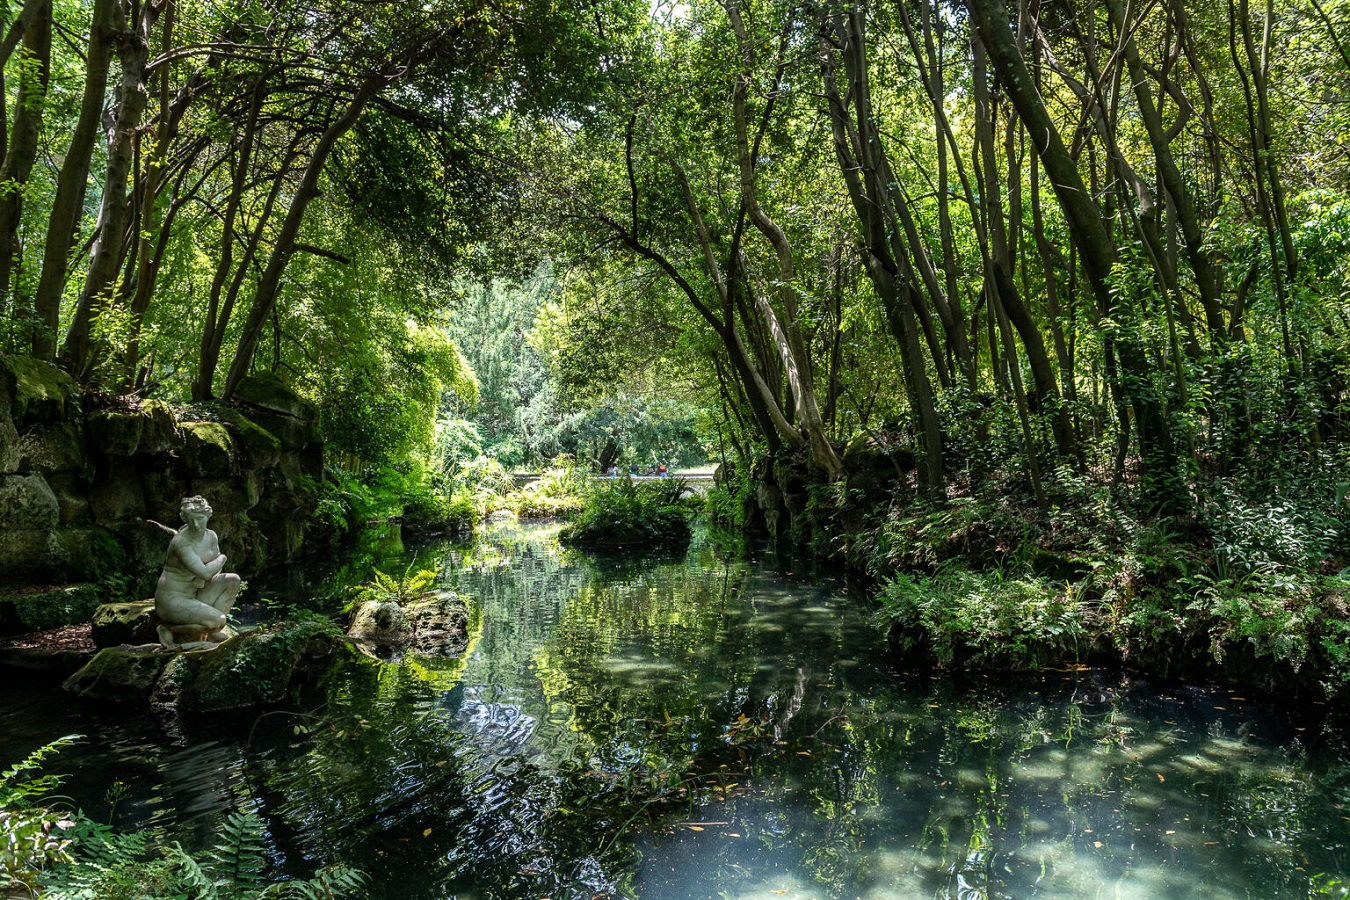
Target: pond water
<point>713,726</point>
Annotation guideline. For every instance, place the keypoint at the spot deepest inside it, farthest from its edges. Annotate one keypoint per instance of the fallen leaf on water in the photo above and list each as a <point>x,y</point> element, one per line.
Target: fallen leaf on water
<point>426,833</point>
<point>803,752</point>
<point>1171,831</point>
<point>1160,778</point>
<point>732,834</point>
<point>695,828</point>
<point>1096,843</point>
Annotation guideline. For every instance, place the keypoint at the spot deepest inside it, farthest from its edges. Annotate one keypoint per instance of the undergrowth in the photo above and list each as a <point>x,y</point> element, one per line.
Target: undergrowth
<point>1249,579</point>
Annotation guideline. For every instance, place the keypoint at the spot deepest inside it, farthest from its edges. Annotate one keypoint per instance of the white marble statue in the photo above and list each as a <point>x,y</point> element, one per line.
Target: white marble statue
<point>193,594</point>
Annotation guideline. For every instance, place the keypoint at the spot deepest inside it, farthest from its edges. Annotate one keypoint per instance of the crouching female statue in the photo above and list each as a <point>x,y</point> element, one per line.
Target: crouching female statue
<point>193,594</point>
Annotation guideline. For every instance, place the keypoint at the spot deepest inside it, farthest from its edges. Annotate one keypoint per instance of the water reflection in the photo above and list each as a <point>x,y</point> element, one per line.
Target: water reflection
<point>704,727</point>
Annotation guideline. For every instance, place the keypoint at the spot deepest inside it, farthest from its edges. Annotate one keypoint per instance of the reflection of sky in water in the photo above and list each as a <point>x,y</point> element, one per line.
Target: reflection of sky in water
<point>700,729</point>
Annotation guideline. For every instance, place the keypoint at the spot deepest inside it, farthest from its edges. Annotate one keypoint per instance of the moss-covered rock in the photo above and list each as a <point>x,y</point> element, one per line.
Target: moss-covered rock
<point>210,449</point>
<point>27,504</point>
<point>125,623</point>
<point>36,392</point>
<point>159,429</point>
<point>10,452</point>
<point>228,496</point>
<point>115,432</point>
<point>260,446</point>
<point>121,674</point>
<point>118,496</point>
<point>60,447</point>
<point>41,608</point>
<point>30,556</point>
<point>255,668</point>
<point>71,490</point>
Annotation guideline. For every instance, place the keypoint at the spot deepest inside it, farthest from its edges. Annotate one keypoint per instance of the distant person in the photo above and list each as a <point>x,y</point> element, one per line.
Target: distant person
<point>662,471</point>
<point>633,470</point>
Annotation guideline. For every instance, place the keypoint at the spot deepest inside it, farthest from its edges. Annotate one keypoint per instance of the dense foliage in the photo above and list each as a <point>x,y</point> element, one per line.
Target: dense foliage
<point>1082,263</point>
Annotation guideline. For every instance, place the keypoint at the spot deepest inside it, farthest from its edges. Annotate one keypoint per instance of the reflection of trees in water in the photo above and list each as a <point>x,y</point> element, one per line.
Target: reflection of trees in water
<point>606,697</point>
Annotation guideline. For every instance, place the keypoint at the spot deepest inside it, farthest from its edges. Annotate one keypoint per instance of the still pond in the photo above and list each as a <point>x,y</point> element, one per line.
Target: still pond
<point>713,725</point>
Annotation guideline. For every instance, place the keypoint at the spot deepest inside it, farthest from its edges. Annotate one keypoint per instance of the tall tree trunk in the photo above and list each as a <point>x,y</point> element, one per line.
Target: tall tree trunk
<point>133,50</point>
<point>868,179</point>
<point>999,267</point>
<point>21,146</point>
<point>1090,236</point>
<point>68,204</point>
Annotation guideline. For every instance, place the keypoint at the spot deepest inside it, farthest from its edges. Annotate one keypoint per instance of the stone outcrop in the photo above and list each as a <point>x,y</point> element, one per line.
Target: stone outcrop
<point>125,623</point>
<point>436,625</point>
<point>255,668</point>
<point>78,486</point>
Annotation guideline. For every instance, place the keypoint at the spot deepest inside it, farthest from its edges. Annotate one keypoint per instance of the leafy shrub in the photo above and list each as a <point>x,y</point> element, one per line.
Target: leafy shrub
<point>625,513</point>
<point>725,503</point>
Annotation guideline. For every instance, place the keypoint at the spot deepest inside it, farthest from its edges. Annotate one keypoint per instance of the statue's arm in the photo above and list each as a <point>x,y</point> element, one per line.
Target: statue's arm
<point>188,558</point>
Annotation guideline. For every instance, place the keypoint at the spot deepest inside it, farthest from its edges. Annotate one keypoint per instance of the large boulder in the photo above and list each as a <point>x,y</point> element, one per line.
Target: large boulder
<point>251,669</point>
<point>159,430</point>
<point>29,513</point>
<point>261,448</point>
<point>270,404</point>
<point>210,449</point>
<point>119,496</point>
<point>60,447</point>
<point>121,674</point>
<point>27,504</point>
<point>125,623</point>
<point>115,432</point>
<point>34,392</point>
<point>436,625</point>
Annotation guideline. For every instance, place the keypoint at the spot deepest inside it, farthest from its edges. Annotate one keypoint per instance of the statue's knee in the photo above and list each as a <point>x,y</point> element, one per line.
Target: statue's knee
<point>231,579</point>
<point>218,621</point>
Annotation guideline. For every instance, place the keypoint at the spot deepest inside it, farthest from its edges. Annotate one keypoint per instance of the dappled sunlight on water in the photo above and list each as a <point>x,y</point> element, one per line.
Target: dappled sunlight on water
<point>705,727</point>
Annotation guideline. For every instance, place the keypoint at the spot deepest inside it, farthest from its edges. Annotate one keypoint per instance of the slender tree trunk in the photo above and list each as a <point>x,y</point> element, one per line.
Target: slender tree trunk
<point>21,147</point>
<point>1090,236</point>
<point>133,50</point>
<point>68,204</point>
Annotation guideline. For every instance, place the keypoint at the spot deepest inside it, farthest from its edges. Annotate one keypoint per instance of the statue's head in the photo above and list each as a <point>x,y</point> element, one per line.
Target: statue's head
<point>193,505</point>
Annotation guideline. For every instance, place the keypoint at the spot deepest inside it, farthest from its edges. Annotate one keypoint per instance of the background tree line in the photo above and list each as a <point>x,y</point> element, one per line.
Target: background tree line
<point>1065,238</point>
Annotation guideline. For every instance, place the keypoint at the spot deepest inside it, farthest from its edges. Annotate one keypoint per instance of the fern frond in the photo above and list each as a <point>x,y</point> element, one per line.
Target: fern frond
<point>327,884</point>
<point>200,886</point>
<point>239,858</point>
<point>13,791</point>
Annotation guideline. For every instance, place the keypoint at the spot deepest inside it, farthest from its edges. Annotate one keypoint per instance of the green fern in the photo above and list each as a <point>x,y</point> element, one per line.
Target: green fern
<point>18,785</point>
<point>111,866</point>
<point>239,858</point>
<point>384,588</point>
<point>193,878</point>
<point>325,885</point>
